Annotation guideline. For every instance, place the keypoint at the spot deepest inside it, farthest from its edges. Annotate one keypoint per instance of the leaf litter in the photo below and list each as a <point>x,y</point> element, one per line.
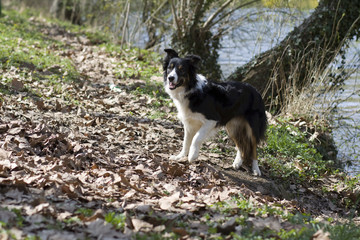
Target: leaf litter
<point>90,145</point>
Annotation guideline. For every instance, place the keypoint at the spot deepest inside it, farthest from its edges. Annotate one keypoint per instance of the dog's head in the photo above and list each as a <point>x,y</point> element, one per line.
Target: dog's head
<point>179,72</point>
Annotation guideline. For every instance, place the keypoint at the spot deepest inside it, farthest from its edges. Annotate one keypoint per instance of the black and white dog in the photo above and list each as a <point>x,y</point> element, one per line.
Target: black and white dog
<point>204,106</point>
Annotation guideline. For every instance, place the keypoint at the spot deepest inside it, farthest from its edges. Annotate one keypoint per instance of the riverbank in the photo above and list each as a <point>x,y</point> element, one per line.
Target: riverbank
<point>339,107</point>
<point>86,132</point>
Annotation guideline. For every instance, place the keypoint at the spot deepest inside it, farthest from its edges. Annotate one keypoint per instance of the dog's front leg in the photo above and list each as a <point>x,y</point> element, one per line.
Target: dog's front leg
<point>199,138</point>
<point>188,136</point>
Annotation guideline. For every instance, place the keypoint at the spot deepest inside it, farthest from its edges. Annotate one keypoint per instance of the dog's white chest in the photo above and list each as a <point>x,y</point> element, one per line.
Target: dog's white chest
<point>186,116</point>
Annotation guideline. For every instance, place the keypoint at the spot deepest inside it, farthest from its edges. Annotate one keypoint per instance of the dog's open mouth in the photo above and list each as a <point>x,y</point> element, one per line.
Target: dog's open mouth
<point>172,86</point>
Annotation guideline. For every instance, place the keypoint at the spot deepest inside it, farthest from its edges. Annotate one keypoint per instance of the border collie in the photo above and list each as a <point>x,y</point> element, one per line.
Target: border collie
<point>203,106</point>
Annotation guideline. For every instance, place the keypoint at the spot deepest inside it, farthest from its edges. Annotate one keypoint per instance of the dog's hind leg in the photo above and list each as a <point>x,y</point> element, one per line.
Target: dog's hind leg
<point>240,132</point>
<point>205,130</point>
<point>235,129</point>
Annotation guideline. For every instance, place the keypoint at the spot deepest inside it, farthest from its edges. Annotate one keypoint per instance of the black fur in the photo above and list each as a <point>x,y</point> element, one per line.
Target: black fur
<point>224,101</point>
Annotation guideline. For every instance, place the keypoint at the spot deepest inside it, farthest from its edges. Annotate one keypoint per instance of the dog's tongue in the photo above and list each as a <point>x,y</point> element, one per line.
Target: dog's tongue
<point>171,85</point>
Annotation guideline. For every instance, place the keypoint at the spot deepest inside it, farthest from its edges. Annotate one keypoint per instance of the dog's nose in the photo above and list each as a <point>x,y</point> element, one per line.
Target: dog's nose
<point>171,78</point>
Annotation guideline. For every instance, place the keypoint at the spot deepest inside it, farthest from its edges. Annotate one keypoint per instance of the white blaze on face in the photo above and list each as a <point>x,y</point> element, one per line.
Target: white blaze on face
<point>173,79</point>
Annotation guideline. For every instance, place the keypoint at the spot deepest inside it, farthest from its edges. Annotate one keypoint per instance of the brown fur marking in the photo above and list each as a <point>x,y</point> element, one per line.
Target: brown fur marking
<point>241,133</point>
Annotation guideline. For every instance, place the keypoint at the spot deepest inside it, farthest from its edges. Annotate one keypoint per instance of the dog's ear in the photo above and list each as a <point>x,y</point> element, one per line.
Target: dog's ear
<point>194,59</point>
<point>170,54</point>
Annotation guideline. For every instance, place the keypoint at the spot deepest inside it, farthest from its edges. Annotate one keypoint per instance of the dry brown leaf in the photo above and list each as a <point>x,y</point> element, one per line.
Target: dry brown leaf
<point>17,85</point>
<point>260,224</point>
<point>40,104</point>
<point>3,127</point>
<point>180,231</point>
<point>97,214</point>
<point>4,155</point>
<point>8,164</point>
<point>321,235</point>
<point>15,131</point>
<point>141,225</point>
<point>166,202</point>
<point>228,226</point>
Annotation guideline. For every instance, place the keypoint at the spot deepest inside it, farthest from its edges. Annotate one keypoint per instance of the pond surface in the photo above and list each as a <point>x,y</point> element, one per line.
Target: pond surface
<point>264,33</point>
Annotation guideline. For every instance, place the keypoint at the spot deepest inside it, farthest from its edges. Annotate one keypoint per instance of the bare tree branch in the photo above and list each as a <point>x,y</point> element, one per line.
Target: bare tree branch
<point>125,23</point>
<point>210,25</point>
<point>156,11</point>
<point>176,22</point>
<point>213,16</point>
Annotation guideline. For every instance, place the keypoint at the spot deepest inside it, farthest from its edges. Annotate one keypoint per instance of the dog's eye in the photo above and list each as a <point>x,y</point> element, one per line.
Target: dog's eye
<point>181,68</point>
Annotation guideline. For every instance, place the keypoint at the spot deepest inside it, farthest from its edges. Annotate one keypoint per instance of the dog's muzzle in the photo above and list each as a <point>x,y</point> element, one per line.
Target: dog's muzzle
<point>171,83</point>
<point>173,80</point>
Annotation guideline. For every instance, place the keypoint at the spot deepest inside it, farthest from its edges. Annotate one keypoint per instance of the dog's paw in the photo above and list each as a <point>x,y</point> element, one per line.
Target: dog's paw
<point>193,155</point>
<point>174,157</point>
<point>192,158</point>
<point>255,168</point>
<point>237,164</point>
<point>177,157</point>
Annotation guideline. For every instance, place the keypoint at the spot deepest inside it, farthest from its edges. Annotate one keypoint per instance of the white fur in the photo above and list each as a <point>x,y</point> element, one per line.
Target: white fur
<point>255,168</point>
<point>201,81</point>
<point>238,160</point>
<point>173,74</point>
<point>205,130</point>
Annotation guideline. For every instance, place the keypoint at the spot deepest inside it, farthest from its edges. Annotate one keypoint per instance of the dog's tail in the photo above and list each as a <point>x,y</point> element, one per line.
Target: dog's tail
<point>257,118</point>
<point>262,126</point>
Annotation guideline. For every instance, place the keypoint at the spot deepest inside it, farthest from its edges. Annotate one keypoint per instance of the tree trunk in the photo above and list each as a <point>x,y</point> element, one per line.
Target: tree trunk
<point>311,46</point>
<point>190,35</point>
<point>67,10</point>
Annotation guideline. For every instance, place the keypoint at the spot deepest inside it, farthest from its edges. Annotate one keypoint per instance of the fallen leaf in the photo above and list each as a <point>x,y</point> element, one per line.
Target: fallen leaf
<point>102,230</point>
<point>97,214</point>
<point>4,154</point>
<point>166,202</point>
<point>265,223</point>
<point>141,225</point>
<point>40,104</point>
<point>228,226</point>
<point>321,235</point>
<point>180,231</point>
<point>17,85</point>
<point>7,216</point>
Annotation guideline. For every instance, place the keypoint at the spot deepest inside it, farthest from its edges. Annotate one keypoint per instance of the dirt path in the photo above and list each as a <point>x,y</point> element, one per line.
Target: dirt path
<point>90,146</point>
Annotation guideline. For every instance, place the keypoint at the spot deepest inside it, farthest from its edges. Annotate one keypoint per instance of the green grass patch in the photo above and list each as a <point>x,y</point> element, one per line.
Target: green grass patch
<point>134,63</point>
<point>85,212</point>
<point>23,46</point>
<point>299,225</point>
<point>116,219</point>
<point>290,155</point>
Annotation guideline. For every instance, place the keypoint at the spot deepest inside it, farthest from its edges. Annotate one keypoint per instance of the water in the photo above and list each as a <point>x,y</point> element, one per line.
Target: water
<point>264,33</point>
<point>347,121</point>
